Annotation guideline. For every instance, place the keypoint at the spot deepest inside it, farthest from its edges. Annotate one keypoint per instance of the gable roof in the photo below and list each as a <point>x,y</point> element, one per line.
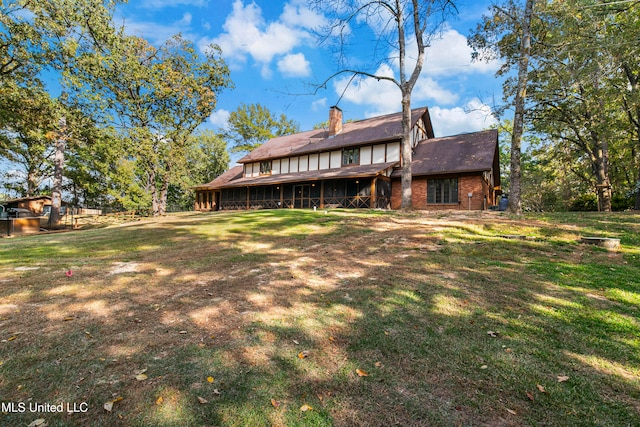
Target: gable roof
<point>367,131</point>
<point>467,152</point>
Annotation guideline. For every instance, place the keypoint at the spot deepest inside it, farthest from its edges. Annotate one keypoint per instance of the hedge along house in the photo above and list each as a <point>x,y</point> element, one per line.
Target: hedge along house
<point>356,165</point>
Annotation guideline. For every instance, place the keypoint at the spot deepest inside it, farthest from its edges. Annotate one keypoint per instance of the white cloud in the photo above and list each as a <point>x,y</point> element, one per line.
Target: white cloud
<point>294,65</point>
<point>247,35</point>
<point>451,54</point>
<point>384,97</point>
<point>298,15</point>
<point>381,96</point>
<point>220,118</point>
<point>473,117</point>
<point>428,89</point>
<point>186,19</point>
<point>319,104</point>
<point>447,55</point>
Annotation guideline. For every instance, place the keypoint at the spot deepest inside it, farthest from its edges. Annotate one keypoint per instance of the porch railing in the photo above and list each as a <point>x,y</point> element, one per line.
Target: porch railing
<point>329,202</point>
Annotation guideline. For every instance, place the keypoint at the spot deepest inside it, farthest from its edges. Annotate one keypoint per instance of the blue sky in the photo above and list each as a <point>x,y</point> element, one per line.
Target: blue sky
<point>275,60</point>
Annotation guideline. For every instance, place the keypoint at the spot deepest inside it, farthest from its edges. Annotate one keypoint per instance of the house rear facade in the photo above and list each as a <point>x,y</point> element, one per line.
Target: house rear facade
<point>357,165</point>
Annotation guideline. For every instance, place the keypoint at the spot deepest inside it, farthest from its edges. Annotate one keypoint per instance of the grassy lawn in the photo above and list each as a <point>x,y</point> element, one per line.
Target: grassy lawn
<point>367,318</point>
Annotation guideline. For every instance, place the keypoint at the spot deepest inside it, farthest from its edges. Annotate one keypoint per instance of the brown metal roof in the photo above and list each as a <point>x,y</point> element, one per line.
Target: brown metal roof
<point>343,172</point>
<point>468,152</point>
<point>376,129</point>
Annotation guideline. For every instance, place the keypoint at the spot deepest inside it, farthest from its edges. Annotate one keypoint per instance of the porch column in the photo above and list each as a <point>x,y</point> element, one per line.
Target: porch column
<point>374,183</point>
<point>321,194</point>
<point>248,199</point>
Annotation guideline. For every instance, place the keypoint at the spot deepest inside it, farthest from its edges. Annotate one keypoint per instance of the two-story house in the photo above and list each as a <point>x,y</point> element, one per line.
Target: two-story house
<point>357,165</point>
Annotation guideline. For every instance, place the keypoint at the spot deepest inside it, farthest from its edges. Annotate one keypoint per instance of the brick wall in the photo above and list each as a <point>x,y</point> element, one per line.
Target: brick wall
<point>466,184</point>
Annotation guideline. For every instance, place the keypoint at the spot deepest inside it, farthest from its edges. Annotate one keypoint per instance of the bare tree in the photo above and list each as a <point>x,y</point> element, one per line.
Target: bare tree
<point>515,204</point>
<point>403,30</point>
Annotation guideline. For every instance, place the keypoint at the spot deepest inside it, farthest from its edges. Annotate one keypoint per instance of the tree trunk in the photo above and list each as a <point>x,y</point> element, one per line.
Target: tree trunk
<point>637,205</point>
<point>162,200</point>
<point>515,204</point>
<point>155,206</point>
<point>32,183</point>
<point>58,167</point>
<point>603,185</point>
<point>407,157</point>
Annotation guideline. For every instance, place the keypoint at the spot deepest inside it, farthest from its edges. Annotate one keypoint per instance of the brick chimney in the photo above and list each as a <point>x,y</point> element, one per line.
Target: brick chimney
<point>335,121</point>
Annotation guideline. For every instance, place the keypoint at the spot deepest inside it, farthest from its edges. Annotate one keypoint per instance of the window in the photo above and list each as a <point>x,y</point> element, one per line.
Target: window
<point>442,191</point>
<point>265,167</point>
<point>351,156</point>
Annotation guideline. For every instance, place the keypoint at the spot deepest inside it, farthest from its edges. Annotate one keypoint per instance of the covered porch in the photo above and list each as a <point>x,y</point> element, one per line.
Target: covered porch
<point>343,193</point>
<point>349,187</point>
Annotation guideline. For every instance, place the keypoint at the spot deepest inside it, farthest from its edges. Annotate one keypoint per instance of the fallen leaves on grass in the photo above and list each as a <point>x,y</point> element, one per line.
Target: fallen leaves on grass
<point>275,403</point>
<point>492,334</point>
<point>562,378</point>
<point>202,400</point>
<point>362,372</point>
<point>305,408</point>
<point>303,354</point>
<point>530,396</point>
<point>141,377</point>
<point>541,388</point>
<point>108,406</point>
<point>159,400</point>
<point>511,411</point>
<point>40,422</point>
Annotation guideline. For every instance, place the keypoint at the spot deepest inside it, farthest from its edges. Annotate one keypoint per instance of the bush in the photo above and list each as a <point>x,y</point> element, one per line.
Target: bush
<point>621,202</point>
<point>584,203</point>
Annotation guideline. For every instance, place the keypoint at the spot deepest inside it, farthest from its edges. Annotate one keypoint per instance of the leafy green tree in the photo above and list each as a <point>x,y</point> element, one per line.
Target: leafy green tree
<point>207,158</point>
<point>506,33</point>
<point>252,125</point>
<point>157,95</point>
<point>39,34</point>
<point>582,86</point>
<point>27,125</point>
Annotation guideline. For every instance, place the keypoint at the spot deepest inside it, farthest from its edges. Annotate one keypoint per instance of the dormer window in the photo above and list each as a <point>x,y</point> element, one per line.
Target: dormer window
<point>350,156</point>
<point>265,167</point>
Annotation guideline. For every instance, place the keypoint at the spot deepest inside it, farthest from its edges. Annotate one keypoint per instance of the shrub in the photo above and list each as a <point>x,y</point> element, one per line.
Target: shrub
<point>584,202</point>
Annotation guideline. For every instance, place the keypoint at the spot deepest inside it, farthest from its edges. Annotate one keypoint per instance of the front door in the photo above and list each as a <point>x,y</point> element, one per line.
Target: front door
<point>301,195</point>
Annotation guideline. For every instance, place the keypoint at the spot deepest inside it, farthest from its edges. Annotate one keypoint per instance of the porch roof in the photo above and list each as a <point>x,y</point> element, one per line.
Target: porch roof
<point>230,181</point>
